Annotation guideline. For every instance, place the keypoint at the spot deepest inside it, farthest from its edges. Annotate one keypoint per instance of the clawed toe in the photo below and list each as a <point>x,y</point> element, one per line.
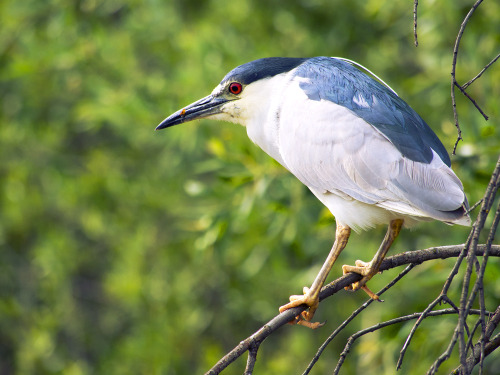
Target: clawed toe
<point>367,271</point>
<point>306,316</point>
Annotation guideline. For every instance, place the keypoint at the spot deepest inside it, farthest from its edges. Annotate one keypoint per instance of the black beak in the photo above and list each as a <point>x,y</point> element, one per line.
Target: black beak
<point>202,108</point>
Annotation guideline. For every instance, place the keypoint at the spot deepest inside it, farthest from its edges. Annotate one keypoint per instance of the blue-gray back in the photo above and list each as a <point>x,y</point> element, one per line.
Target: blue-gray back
<point>340,82</point>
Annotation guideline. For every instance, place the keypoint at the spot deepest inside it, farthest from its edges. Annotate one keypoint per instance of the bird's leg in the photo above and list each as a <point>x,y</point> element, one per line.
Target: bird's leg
<point>368,270</point>
<point>311,295</point>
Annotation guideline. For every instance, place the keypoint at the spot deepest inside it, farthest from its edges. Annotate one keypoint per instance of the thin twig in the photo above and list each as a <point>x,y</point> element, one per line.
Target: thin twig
<point>488,200</point>
<point>478,286</point>
<point>474,357</point>
<point>421,317</point>
<point>472,333</point>
<point>462,314</point>
<point>442,297</point>
<point>453,72</point>
<point>479,282</point>
<point>353,315</point>
<point>415,38</point>
<point>492,323</point>
<point>474,206</point>
<point>482,319</point>
<point>462,90</point>
<point>466,302</point>
<point>252,358</point>
<point>378,326</point>
<point>465,85</point>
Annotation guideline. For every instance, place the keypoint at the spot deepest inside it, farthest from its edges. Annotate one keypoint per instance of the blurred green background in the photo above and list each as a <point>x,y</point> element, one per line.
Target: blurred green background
<point>129,251</point>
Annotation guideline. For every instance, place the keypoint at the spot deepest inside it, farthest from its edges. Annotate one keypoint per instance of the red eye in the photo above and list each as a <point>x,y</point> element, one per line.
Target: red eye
<point>235,88</point>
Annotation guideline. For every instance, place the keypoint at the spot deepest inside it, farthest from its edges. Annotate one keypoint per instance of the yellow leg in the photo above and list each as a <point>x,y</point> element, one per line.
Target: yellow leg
<point>368,270</point>
<point>311,295</point>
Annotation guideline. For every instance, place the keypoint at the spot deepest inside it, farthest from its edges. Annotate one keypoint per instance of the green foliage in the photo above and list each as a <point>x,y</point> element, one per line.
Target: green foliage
<point>126,251</point>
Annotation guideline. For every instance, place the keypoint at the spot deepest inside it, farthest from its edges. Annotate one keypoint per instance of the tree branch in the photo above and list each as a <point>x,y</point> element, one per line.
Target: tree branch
<point>454,82</point>
<point>415,6</point>
<point>469,249</point>
<point>378,326</point>
<point>409,257</point>
<point>252,358</point>
<point>465,85</point>
<point>477,354</point>
<point>353,315</point>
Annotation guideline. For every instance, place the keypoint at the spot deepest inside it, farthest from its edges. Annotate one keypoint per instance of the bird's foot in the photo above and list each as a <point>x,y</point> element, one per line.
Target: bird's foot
<point>305,317</point>
<point>367,271</point>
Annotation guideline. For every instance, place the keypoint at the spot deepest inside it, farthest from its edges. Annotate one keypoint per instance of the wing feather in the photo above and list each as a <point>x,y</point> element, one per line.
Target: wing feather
<point>329,148</point>
<point>338,81</point>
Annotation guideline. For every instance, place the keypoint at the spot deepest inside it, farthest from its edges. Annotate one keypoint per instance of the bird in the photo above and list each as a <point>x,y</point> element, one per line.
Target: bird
<point>347,136</point>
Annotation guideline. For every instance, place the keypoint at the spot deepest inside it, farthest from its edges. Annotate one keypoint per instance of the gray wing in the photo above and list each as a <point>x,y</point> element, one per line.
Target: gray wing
<point>330,148</point>
<point>341,83</point>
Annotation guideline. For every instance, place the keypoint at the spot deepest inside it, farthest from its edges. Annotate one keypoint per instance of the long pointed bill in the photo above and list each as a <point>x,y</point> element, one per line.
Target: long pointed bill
<point>202,108</point>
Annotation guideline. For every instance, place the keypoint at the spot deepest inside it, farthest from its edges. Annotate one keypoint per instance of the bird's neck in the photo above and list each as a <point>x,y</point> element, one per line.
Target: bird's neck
<point>264,122</point>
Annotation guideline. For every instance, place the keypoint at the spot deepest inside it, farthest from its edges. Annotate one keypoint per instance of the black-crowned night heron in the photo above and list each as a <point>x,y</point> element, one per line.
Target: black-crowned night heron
<point>365,153</point>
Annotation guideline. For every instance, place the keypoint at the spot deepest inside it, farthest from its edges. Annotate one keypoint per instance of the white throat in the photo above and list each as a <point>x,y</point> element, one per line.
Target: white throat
<point>259,111</point>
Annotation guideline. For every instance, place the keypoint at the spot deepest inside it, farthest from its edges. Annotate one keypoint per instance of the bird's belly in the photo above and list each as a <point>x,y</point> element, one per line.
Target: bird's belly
<point>358,215</point>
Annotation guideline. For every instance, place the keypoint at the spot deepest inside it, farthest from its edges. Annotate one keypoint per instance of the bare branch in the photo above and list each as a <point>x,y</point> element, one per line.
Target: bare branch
<point>469,248</point>
<point>421,317</point>
<point>467,301</point>
<point>378,326</point>
<point>441,298</point>
<point>474,206</point>
<point>465,85</point>
<point>409,257</point>
<point>353,315</point>
<point>474,358</point>
<point>415,38</point>
<point>453,72</point>
<point>479,283</point>
<point>252,358</point>
<point>472,100</point>
<point>471,334</point>
<point>492,323</point>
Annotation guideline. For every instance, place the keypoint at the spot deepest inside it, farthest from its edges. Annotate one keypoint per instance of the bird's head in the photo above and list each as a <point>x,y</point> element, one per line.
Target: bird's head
<point>240,94</point>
